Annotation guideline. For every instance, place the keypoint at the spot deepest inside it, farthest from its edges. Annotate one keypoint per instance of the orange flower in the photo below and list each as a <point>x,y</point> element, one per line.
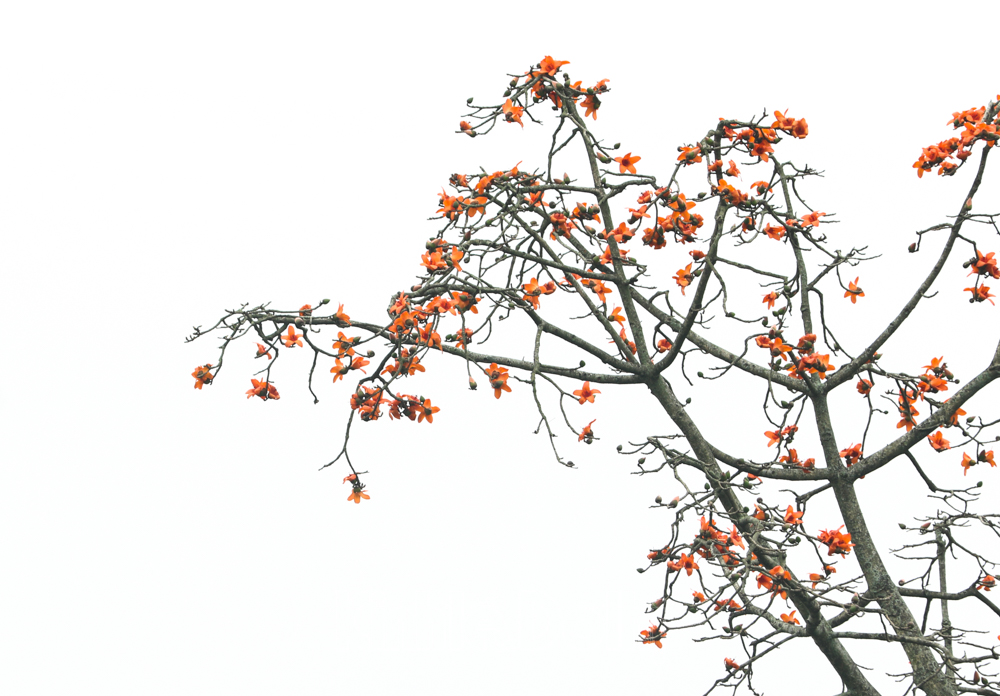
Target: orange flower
<point>958,412</point>
<point>466,128</point>
<point>340,316</point>
<point>687,563</point>
<point>350,477</point>
<point>591,104</point>
<point>465,302</point>
<point>358,493</point>
<point>265,390</point>
<point>689,155</point>
<point>620,234</point>
<point>938,442</point>
<point>587,434</point>
<point>586,393</point>
<point>202,376</point>
<point>985,265</point>
<point>550,67</point>
<point>684,277</point>
<point>864,387</point>
<point>345,345</point>
<point>498,379</point>
<point>854,292</point>
<point>731,664</point>
<point>773,437</point>
<point>776,233</point>
<point>852,454</point>
<point>652,636</point>
<point>789,618</point>
<point>968,462</point>
<point>663,345</point>
<point>980,294</point>
<point>426,410</point>
<point>812,219</point>
<point>836,541</point>
<point>627,163</point>
<point>770,298</point>
<point>292,339</point>
<point>792,517</point>
<point>987,583</point>
<point>262,351</point>
<point>512,113</point>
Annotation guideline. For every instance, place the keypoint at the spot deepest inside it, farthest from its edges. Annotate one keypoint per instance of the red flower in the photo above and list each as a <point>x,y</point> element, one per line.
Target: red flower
<point>587,434</point>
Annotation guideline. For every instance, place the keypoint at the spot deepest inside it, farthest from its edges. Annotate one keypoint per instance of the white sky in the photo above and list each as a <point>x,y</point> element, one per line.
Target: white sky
<point>159,164</point>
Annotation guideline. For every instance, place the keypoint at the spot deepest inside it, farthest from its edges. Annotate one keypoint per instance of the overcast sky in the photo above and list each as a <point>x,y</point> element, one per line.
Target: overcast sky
<point>160,163</point>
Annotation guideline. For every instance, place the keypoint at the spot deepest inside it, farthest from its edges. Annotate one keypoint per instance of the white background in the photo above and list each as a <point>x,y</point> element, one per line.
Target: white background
<point>161,163</point>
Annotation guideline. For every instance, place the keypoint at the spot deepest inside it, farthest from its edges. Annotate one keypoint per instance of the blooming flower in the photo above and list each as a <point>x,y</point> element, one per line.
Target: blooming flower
<point>626,163</point>
<point>265,390</point>
<point>202,376</point>
<point>586,393</point>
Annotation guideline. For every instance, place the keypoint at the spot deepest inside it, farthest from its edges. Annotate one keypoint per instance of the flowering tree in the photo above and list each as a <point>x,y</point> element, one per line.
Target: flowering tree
<point>550,248</point>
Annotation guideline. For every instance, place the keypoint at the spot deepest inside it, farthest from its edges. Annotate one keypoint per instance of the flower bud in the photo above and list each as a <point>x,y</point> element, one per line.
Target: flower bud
<point>659,499</point>
<point>912,248</point>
